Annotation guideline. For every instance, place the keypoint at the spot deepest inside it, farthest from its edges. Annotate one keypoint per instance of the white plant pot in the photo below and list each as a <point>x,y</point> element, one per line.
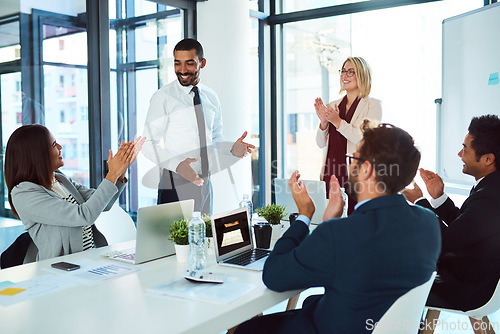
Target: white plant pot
<point>182,253</point>
<point>277,232</point>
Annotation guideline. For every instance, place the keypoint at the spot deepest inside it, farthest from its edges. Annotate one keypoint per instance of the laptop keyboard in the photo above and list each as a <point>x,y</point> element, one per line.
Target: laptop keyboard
<point>127,256</point>
<point>248,257</point>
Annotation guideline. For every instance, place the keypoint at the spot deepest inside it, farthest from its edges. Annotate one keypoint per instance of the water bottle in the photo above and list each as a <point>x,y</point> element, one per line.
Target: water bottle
<point>248,203</point>
<point>196,229</point>
<point>346,205</point>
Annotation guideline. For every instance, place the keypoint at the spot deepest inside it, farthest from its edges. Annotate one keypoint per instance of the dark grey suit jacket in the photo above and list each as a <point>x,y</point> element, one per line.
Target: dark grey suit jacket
<point>469,264</point>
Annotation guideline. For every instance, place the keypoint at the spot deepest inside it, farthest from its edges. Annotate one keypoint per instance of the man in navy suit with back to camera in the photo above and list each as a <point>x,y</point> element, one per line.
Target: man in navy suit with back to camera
<point>469,264</point>
<point>365,261</point>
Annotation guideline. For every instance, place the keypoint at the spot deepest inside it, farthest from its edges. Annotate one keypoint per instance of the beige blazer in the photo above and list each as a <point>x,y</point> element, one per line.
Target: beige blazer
<point>368,108</point>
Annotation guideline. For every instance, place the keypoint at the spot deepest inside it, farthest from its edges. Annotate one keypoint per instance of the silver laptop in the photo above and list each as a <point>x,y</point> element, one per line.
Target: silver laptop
<point>316,190</point>
<point>153,229</point>
<point>234,244</point>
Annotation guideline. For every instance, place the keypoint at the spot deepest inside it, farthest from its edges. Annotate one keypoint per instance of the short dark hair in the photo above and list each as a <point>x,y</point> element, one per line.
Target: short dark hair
<point>393,154</point>
<point>188,44</point>
<point>485,132</point>
<point>27,158</point>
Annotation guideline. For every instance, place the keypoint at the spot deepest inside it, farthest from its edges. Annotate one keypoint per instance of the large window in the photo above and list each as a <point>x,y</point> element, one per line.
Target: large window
<point>145,35</point>
<point>11,95</point>
<point>402,46</point>
<point>65,96</point>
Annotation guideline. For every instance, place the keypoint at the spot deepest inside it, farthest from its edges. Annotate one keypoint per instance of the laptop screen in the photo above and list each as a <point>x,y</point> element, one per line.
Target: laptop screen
<point>232,232</point>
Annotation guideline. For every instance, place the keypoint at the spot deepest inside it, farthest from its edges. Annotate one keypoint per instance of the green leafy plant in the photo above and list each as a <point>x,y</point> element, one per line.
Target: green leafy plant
<point>208,225</point>
<point>273,213</point>
<point>179,232</point>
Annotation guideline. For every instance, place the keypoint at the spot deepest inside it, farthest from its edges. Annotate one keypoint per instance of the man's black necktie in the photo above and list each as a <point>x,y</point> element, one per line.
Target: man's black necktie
<point>200,118</point>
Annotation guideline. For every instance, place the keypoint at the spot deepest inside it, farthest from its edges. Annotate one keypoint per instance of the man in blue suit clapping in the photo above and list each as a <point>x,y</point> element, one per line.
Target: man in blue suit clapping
<point>365,261</point>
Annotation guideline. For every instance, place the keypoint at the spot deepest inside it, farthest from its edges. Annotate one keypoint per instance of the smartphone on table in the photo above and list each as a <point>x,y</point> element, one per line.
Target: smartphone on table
<point>66,266</point>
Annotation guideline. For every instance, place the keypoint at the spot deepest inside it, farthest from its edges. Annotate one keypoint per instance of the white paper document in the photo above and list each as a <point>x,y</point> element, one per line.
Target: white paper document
<point>224,293</point>
<point>92,271</point>
<point>33,288</point>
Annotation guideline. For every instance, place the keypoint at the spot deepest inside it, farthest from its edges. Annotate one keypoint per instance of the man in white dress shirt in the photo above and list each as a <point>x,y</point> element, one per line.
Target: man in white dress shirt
<point>178,115</point>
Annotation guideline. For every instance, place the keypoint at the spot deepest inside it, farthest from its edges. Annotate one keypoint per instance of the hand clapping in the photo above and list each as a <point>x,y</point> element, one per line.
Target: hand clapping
<point>300,196</point>
<point>124,157</point>
<point>327,114</point>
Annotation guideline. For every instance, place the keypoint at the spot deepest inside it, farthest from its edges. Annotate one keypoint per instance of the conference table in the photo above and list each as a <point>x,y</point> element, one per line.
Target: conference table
<point>125,304</point>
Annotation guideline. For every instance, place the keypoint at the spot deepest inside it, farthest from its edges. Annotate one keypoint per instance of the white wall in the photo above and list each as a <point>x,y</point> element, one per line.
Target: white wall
<point>8,7</point>
<point>223,30</point>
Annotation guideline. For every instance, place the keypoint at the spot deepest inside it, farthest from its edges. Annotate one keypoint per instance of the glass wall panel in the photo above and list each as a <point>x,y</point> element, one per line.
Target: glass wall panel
<point>172,31</point>
<point>142,7</point>
<point>146,44</point>
<point>11,108</point>
<point>64,45</point>
<point>151,44</point>
<point>296,5</point>
<point>253,138</point>
<point>66,116</point>
<point>10,48</point>
<point>66,97</point>
<point>147,84</point>
<point>406,66</point>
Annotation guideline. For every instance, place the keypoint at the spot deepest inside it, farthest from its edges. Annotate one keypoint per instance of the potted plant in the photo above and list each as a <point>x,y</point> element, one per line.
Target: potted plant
<point>179,235</point>
<point>208,232</point>
<point>273,213</point>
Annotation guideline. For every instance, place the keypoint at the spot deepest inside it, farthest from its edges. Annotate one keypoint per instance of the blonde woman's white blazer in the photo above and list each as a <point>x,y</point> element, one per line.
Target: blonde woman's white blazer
<point>368,108</point>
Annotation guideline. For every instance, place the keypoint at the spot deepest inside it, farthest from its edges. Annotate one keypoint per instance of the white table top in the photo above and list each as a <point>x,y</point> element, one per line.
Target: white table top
<point>121,305</point>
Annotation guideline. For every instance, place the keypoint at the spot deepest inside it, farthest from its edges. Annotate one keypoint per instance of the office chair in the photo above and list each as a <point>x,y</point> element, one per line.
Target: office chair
<point>403,317</point>
<point>478,317</point>
<point>22,250</point>
<point>116,225</point>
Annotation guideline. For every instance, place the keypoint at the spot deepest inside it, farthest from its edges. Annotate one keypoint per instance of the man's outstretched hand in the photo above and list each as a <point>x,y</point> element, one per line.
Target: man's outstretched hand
<point>185,170</point>
<point>240,148</point>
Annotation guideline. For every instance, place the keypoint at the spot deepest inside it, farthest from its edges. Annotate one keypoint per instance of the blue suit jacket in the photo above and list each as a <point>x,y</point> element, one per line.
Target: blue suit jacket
<point>364,262</point>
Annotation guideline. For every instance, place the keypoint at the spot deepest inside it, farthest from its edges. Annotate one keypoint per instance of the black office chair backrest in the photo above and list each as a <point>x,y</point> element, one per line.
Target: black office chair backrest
<point>15,254</point>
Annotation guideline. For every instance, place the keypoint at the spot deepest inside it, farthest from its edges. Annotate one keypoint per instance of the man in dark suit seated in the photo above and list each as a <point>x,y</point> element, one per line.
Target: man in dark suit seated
<point>365,261</point>
<point>469,264</point>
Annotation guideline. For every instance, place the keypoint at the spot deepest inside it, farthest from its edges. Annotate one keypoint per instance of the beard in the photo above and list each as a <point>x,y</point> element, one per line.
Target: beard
<point>190,80</point>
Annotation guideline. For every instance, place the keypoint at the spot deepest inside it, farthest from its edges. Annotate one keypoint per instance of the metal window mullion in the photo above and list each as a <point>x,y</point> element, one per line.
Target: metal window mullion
<point>274,104</point>
<point>262,115</point>
<point>98,88</point>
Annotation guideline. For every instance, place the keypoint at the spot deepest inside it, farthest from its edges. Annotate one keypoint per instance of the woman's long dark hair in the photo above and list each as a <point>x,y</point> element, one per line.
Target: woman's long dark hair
<point>27,158</point>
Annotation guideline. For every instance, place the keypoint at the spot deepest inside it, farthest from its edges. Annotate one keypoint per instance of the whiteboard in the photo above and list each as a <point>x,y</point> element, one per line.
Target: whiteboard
<point>471,61</point>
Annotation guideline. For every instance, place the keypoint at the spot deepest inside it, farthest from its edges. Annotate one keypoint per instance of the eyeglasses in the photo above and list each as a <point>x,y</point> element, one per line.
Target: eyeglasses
<point>349,158</point>
<point>349,73</point>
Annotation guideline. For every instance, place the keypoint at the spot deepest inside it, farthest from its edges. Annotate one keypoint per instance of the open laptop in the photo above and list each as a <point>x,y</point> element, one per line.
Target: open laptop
<point>153,229</point>
<point>234,244</point>
<point>316,190</point>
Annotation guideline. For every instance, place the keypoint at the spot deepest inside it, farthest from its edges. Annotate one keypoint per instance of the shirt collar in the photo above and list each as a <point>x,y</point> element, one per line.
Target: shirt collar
<point>187,89</point>
<point>361,203</point>
<point>477,182</point>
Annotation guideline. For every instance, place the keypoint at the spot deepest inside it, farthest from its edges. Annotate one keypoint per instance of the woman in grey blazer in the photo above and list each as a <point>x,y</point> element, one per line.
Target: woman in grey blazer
<point>59,213</point>
<point>339,129</point>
